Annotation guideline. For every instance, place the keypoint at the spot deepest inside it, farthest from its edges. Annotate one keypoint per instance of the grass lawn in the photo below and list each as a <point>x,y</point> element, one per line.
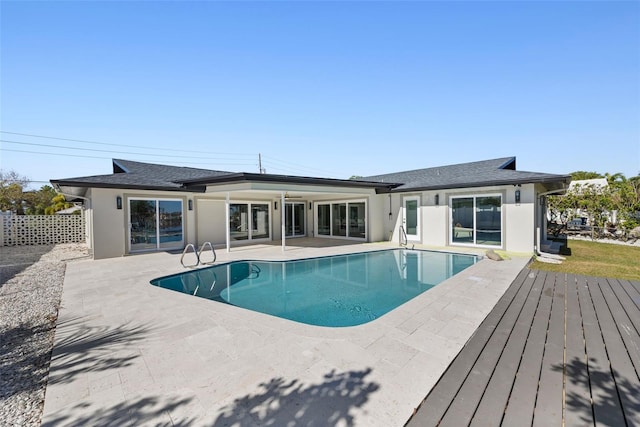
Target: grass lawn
<point>597,259</point>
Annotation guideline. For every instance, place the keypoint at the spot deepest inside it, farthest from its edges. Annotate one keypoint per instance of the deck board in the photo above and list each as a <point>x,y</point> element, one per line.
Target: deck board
<point>521,404</point>
<point>621,366</point>
<point>632,292</point>
<point>622,320</point>
<point>557,349</point>
<point>548,409</point>
<point>499,387</point>
<point>606,409</point>
<point>577,402</point>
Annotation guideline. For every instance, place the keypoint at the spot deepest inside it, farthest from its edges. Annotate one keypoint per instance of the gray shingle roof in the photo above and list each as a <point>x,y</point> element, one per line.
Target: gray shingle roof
<point>474,174</point>
<point>137,175</point>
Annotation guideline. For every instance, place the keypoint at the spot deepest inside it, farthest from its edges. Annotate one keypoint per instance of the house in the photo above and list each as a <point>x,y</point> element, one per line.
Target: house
<point>149,207</point>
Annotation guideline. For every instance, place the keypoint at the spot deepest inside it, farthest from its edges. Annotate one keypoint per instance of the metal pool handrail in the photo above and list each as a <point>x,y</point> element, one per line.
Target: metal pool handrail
<point>202,248</point>
<point>403,234</point>
<point>198,253</point>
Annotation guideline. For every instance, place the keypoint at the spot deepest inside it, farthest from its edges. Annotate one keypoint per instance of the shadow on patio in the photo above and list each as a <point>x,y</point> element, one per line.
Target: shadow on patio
<point>92,349</point>
<point>146,410</point>
<point>283,402</point>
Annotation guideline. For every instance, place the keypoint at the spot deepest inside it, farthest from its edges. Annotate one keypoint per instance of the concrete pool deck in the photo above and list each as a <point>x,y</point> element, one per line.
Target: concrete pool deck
<point>128,353</point>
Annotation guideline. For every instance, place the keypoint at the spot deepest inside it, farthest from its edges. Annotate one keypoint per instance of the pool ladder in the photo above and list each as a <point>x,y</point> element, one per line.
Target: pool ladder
<point>198,254</point>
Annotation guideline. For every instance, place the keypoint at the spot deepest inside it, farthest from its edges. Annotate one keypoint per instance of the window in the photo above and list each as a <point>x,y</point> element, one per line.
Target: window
<point>476,220</point>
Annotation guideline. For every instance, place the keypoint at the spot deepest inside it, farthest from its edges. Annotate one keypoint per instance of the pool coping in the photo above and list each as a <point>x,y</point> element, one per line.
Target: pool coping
<point>219,360</point>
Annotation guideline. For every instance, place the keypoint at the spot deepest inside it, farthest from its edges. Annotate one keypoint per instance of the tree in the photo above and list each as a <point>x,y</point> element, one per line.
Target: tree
<point>11,185</point>
<point>625,197</point>
<point>58,203</point>
<point>38,201</point>
<point>580,175</point>
<point>616,205</point>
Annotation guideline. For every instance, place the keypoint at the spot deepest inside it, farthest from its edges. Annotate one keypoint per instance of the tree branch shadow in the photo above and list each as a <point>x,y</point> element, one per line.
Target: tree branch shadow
<point>291,403</point>
<point>93,349</point>
<point>148,411</point>
<point>610,393</point>
<point>25,364</point>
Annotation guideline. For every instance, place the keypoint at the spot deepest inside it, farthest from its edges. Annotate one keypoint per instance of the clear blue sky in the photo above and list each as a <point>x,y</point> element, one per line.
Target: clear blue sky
<point>320,88</point>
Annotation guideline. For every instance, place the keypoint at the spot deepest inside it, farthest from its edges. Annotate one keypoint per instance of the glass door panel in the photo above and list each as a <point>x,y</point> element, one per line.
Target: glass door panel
<point>340,219</point>
<point>298,219</point>
<point>170,221</point>
<point>356,220</point>
<point>324,220</point>
<point>294,219</point>
<point>288,219</point>
<point>488,220</point>
<point>410,218</point>
<point>259,221</point>
<point>239,221</point>
<point>142,215</point>
<point>462,226</point>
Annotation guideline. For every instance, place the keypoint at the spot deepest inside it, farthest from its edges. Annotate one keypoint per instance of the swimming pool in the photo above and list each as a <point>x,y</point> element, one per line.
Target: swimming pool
<point>336,291</point>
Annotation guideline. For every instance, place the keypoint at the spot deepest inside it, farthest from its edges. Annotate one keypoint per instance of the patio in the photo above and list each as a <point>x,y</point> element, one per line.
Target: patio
<point>128,353</point>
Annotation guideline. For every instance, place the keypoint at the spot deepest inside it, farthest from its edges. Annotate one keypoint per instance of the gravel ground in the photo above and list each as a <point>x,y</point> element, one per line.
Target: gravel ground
<point>31,279</point>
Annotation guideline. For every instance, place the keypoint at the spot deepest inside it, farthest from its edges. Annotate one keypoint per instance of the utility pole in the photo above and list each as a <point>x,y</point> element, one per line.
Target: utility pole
<point>260,164</point>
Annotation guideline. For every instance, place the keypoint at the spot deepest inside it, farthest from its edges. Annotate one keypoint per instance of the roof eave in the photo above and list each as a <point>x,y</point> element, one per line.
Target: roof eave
<point>558,182</point>
<point>72,184</point>
<point>285,179</point>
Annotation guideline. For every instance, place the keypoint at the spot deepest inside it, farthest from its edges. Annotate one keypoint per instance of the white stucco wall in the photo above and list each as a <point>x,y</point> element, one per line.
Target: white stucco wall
<point>520,224</point>
<point>108,224</point>
<point>210,221</point>
<point>206,222</point>
<point>435,219</point>
<point>377,217</point>
<point>518,220</point>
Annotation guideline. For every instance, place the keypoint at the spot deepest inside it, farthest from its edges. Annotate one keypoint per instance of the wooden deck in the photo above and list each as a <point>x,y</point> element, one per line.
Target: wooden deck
<point>556,350</point>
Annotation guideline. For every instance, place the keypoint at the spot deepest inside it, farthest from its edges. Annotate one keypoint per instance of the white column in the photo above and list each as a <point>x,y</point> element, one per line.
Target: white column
<point>284,245</point>
<point>227,220</point>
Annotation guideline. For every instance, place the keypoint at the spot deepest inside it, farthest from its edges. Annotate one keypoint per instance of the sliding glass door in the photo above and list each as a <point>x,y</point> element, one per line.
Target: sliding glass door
<point>249,221</point>
<point>477,220</point>
<point>155,224</point>
<point>341,219</point>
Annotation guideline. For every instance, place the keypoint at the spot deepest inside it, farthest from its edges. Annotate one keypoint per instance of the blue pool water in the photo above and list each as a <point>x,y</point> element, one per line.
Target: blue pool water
<point>344,290</point>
